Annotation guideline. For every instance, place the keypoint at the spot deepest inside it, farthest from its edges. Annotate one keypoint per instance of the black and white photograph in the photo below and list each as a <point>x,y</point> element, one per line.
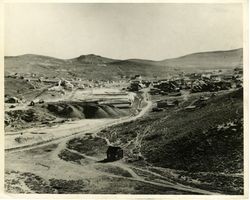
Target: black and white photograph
<point>124,98</point>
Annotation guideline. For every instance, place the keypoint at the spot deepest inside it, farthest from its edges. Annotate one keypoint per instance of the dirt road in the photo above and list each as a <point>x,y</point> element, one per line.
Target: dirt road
<point>42,159</point>
<point>45,135</point>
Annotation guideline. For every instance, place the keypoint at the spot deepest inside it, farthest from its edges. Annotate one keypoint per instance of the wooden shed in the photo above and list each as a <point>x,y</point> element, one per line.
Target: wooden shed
<point>114,153</point>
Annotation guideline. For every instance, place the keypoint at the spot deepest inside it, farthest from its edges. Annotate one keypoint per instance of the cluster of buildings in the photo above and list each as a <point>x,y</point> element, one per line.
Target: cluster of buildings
<point>165,87</point>
<point>68,84</point>
<point>208,81</point>
<point>136,83</point>
<point>211,82</point>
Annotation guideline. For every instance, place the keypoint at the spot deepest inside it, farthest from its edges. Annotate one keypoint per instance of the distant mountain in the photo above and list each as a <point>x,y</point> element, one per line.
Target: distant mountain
<point>31,63</point>
<point>97,67</point>
<point>214,59</point>
<point>93,59</point>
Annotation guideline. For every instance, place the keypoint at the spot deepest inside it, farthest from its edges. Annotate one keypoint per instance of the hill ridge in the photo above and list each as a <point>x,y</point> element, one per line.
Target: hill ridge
<point>98,67</point>
<point>130,59</point>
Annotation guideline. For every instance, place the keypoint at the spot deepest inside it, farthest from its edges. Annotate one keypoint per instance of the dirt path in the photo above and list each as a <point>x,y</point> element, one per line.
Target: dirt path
<point>68,170</point>
<point>162,181</point>
<point>79,130</point>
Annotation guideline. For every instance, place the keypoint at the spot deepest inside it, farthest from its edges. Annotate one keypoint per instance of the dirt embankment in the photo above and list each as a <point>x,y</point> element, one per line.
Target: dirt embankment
<point>50,113</point>
<point>86,110</point>
<point>18,119</point>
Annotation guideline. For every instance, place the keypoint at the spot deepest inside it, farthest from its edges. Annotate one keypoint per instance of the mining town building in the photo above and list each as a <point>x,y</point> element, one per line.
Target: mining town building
<point>114,153</point>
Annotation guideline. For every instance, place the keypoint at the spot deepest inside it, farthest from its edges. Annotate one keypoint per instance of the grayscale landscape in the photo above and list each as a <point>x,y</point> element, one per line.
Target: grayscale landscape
<point>95,124</point>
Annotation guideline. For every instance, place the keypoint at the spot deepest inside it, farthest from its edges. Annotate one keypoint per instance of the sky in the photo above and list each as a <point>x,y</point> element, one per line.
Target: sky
<point>121,31</point>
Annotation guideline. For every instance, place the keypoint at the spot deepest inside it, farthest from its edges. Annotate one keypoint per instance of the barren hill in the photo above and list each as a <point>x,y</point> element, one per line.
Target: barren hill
<point>92,59</point>
<point>205,145</point>
<point>96,67</point>
<point>214,59</point>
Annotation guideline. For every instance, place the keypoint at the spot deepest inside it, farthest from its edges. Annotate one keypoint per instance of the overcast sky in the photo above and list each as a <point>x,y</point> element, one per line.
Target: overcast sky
<point>149,31</point>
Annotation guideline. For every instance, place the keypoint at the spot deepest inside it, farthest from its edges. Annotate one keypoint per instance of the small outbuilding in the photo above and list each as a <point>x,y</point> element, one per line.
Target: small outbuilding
<point>114,153</point>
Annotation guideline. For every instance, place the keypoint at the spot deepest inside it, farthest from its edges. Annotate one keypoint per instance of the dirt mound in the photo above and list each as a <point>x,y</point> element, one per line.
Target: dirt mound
<point>73,112</point>
<point>115,112</point>
<point>110,110</point>
<point>67,111</point>
<point>25,118</point>
<point>102,114</point>
<point>85,110</point>
<point>123,112</point>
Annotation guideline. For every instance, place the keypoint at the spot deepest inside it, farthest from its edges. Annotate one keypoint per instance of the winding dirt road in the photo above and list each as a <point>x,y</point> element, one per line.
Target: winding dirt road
<point>50,165</point>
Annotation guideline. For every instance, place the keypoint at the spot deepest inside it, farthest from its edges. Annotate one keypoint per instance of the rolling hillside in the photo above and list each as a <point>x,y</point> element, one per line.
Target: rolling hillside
<point>216,59</point>
<point>96,67</point>
<point>204,145</point>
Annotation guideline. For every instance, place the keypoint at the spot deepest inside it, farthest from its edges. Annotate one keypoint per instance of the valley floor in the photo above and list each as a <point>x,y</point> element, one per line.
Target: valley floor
<point>70,158</point>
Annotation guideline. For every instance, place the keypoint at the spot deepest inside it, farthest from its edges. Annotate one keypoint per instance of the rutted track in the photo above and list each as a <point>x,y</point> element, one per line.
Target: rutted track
<point>162,182</point>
